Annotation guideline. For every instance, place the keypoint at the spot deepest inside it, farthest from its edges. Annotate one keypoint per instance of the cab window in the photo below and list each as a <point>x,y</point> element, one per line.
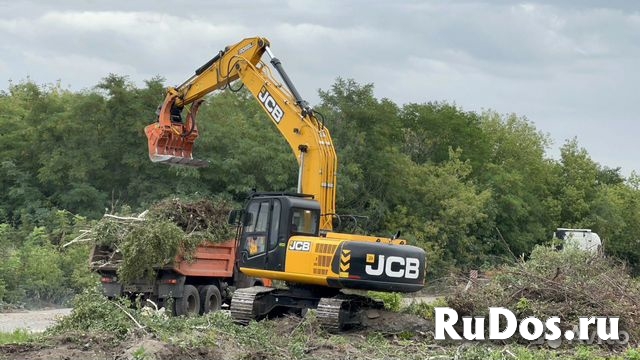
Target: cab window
<point>252,215</point>
<point>304,221</point>
<point>256,229</point>
<point>275,224</point>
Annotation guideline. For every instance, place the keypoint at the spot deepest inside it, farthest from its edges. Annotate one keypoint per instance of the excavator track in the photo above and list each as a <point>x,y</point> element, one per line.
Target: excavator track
<point>242,303</point>
<point>329,314</point>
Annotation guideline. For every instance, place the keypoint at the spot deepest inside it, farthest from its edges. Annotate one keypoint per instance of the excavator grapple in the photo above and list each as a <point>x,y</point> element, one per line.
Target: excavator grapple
<point>171,140</point>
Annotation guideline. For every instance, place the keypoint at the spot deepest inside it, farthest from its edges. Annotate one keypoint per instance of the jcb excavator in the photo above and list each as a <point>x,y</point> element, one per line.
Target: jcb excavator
<point>288,236</point>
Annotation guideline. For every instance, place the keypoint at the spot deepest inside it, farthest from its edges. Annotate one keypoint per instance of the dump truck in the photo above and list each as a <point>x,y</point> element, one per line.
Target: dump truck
<point>198,285</point>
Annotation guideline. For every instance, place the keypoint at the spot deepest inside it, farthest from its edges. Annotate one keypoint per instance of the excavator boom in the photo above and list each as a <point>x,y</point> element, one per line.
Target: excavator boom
<point>171,140</point>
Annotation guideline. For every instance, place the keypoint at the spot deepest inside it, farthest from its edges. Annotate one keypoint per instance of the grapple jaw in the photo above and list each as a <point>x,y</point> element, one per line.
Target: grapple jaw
<point>178,160</point>
<point>172,142</point>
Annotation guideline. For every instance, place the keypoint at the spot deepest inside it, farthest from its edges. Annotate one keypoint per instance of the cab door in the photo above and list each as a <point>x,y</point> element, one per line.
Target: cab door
<point>255,232</point>
<point>277,244</point>
<point>262,246</point>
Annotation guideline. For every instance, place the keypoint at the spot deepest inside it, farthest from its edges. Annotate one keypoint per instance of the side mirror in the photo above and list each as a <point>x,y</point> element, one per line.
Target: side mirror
<point>234,217</point>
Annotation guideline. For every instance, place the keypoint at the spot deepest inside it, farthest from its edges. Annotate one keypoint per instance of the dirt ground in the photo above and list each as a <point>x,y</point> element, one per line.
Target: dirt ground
<point>105,346</point>
<point>79,346</point>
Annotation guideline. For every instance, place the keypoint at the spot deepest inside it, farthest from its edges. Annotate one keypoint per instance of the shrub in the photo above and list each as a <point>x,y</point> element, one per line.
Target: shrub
<point>92,311</point>
<point>392,300</point>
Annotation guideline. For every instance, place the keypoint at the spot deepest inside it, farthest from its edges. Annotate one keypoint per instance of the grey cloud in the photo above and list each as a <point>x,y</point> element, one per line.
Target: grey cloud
<point>569,66</point>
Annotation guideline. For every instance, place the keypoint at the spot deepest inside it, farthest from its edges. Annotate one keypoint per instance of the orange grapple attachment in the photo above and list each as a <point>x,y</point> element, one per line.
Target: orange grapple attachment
<point>172,142</point>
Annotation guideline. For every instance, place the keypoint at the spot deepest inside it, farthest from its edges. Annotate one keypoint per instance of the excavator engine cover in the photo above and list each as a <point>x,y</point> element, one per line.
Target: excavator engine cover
<point>172,142</point>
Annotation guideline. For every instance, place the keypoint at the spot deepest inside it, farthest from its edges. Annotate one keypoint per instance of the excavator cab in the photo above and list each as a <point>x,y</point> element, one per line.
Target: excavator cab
<point>269,220</point>
<point>170,139</point>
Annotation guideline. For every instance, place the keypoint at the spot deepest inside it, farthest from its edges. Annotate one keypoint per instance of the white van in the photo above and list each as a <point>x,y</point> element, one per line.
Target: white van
<point>583,239</point>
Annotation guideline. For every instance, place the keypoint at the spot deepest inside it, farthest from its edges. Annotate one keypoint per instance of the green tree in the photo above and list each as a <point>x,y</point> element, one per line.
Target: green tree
<point>578,185</point>
<point>615,215</point>
<point>244,149</point>
<point>431,129</point>
<point>41,276</point>
<point>367,135</point>
<point>523,208</point>
<point>392,171</point>
<point>442,210</point>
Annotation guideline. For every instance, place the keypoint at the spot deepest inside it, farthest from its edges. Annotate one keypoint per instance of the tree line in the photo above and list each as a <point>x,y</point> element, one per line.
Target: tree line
<point>472,188</point>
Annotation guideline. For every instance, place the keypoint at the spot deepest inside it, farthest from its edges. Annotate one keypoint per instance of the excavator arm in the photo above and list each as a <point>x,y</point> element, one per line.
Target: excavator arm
<point>171,140</point>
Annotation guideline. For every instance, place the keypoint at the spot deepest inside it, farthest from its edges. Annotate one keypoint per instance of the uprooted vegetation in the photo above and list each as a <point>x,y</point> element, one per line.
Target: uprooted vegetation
<point>152,332</point>
<point>137,245</point>
<point>567,284</point>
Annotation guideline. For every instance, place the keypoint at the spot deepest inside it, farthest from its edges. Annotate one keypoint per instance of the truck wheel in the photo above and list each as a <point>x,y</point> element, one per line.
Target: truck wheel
<point>189,303</point>
<point>210,299</point>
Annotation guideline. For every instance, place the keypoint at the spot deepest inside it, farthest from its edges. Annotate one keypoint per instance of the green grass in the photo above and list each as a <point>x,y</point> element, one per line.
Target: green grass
<point>16,337</point>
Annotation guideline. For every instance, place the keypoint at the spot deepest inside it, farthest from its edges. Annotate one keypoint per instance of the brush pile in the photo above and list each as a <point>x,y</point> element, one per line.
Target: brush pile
<point>138,245</point>
<point>568,284</point>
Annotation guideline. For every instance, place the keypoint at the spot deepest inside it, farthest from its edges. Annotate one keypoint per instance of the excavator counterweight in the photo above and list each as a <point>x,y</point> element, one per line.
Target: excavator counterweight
<point>170,141</point>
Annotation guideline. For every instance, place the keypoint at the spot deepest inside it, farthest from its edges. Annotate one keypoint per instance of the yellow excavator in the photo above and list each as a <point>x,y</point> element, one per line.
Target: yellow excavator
<point>288,236</point>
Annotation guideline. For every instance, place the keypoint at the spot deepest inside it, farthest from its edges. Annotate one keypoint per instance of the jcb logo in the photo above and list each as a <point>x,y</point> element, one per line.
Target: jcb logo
<point>300,245</point>
<point>245,48</point>
<point>271,105</point>
<point>393,266</point>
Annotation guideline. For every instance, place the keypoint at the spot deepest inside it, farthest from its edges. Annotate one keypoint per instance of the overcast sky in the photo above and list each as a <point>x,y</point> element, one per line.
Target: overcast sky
<point>571,67</point>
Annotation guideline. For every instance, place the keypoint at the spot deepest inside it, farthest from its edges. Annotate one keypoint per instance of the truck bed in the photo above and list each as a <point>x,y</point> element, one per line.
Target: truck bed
<point>210,260</point>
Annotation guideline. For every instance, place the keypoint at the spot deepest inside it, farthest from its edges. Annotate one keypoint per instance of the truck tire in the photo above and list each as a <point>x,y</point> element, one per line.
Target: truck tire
<point>189,303</point>
<point>210,299</point>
